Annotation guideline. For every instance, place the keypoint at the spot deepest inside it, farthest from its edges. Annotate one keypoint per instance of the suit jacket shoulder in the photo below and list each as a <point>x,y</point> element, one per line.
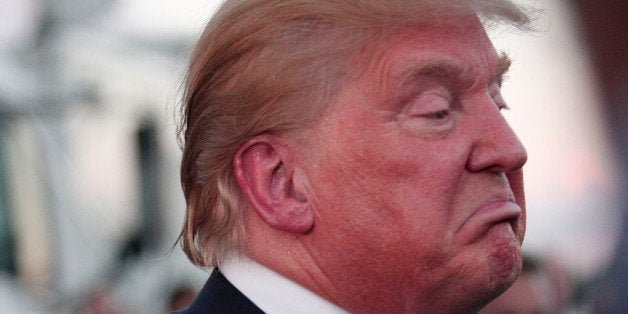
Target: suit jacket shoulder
<point>219,296</point>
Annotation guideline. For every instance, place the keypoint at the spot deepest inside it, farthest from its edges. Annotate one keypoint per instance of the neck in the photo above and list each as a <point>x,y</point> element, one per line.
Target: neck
<point>337,275</point>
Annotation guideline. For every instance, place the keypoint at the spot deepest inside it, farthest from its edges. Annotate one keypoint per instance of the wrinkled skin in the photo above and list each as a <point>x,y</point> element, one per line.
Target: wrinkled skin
<point>415,179</point>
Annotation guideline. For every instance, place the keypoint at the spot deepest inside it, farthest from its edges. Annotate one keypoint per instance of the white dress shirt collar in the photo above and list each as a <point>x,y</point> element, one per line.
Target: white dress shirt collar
<point>271,292</point>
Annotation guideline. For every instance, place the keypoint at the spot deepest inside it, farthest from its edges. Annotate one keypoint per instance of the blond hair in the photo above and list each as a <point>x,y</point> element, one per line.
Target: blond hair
<point>268,66</point>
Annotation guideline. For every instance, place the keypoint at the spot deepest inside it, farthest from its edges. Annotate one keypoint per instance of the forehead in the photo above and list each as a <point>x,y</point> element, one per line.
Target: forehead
<point>462,46</point>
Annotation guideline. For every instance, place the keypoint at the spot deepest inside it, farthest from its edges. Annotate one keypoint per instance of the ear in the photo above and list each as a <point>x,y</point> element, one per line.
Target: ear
<point>268,184</point>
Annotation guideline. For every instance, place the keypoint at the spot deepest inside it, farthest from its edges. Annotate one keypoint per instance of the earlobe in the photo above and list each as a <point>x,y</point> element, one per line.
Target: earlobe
<point>267,181</point>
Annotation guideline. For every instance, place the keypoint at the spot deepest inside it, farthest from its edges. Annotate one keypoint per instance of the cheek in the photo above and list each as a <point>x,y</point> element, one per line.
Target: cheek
<point>378,169</point>
<point>402,183</point>
<point>423,177</point>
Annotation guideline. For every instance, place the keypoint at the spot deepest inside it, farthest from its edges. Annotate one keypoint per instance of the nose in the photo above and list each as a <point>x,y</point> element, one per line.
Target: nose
<point>496,147</point>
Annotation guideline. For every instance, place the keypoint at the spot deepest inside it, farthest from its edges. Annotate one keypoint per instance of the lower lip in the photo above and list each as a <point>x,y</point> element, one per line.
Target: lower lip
<point>487,216</point>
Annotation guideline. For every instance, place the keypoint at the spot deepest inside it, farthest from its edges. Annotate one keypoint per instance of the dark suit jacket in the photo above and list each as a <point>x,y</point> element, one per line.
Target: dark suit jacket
<point>219,296</point>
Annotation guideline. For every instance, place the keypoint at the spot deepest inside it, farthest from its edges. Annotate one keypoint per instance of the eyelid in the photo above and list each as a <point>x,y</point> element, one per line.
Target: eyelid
<point>429,102</point>
<point>430,114</point>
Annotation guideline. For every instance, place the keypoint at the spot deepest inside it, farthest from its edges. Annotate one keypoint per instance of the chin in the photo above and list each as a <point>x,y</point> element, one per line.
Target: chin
<point>502,268</point>
<point>501,277</point>
<point>492,273</point>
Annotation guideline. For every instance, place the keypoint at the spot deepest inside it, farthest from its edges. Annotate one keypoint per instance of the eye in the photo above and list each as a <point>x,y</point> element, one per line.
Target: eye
<point>438,115</point>
<point>434,105</point>
<point>431,114</point>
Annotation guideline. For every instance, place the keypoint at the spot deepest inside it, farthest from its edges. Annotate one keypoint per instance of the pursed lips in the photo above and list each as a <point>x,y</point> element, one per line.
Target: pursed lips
<point>501,208</point>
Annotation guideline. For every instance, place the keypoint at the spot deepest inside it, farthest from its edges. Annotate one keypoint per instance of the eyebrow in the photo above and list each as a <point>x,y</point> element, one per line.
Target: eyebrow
<point>445,71</point>
<point>503,65</point>
<point>453,71</point>
<point>438,68</point>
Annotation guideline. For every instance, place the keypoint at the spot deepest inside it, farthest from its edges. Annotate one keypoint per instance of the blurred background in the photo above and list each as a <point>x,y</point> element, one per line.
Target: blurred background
<point>90,200</point>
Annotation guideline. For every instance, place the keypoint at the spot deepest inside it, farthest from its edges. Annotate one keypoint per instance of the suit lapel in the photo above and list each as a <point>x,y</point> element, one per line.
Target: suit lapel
<point>221,297</point>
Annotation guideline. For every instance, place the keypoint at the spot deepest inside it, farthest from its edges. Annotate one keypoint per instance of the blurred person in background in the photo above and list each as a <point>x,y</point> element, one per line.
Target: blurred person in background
<point>350,156</point>
<point>541,288</point>
<point>180,297</point>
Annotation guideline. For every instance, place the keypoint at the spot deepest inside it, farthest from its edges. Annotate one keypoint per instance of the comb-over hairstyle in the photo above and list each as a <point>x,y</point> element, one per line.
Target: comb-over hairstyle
<point>269,66</point>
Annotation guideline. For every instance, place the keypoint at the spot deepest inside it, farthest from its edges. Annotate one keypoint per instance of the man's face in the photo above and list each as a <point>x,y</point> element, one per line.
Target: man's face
<point>414,175</point>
